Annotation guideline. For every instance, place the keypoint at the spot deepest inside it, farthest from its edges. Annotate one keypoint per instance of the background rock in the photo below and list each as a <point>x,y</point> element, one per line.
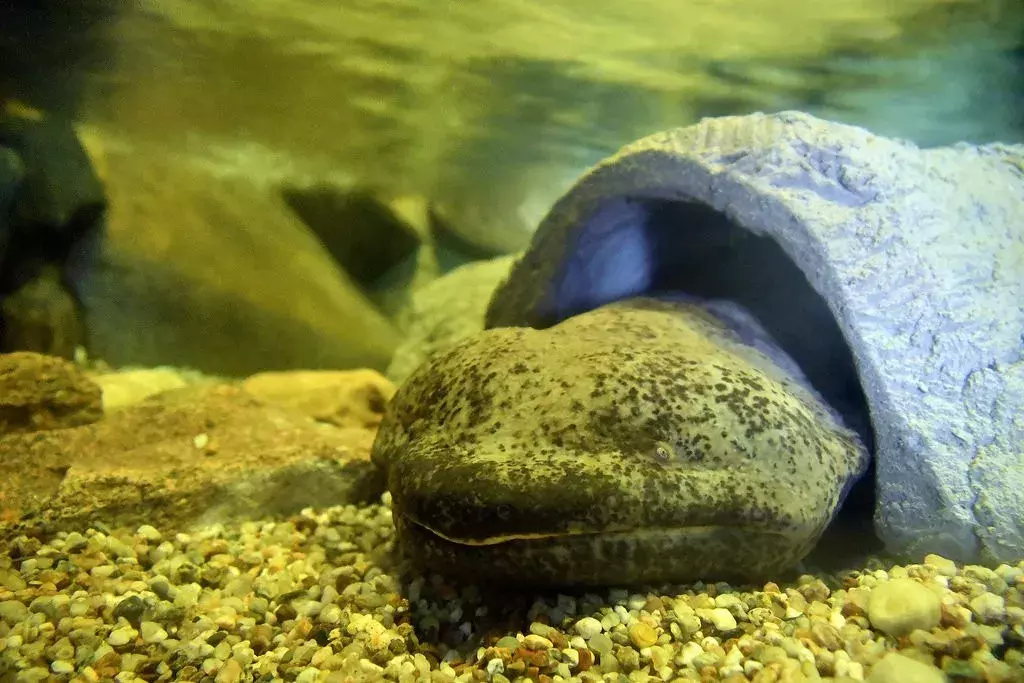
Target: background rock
<point>215,273</point>
<point>11,173</point>
<point>445,311</point>
<point>129,387</point>
<point>61,193</point>
<point>42,392</point>
<point>358,230</point>
<point>42,316</point>
<point>353,398</point>
<point>188,457</point>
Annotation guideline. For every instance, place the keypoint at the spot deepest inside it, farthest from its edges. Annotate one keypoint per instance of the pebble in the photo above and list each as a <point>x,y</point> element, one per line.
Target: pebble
<point>899,606</point>
<point>722,619</point>
<point>312,599</point>
<point>989,607</point>
<point>601,644</point>
<point>897,668</point>
<point>588,627</point>
<point>122,636</point>
<point>535,642</point>
<point>152,632</point>
<point>642,635</point>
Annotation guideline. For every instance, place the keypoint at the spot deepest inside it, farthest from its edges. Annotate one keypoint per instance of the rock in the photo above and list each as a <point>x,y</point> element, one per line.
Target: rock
<point>900,606</point>
<point>897,668</point>
<point>61,191</point>
<point>446,311</point>
<point>11,173</point>
<point>356,227</point>
<point>128,387</point>
<point>215,273</point>
<point>41,316</point>
<point>890,273</point>
<point>42,393</point>
<point>588,627</point>
<point>194,456</point>
<point>353,398</point>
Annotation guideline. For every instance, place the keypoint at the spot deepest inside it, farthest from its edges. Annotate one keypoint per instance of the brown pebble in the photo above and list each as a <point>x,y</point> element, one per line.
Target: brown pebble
<point>231,672</point>
<point>558,639</point>
<point>107,666</point>
<point>261,637</point>
<point>826,635</point>
<point>516,667</point>
<point>654,604</point>
<point>535,642</point>
<point>533,657</point>
<point>586,659</point>
<point>956,616</point>
<point>771,587</point>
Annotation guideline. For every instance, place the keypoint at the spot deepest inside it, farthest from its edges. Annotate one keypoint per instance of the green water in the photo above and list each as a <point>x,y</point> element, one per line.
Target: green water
<point>493,107</point>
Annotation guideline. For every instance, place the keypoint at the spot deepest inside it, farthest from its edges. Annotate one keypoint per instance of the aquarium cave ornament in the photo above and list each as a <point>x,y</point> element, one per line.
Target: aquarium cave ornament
<point>708,338</point>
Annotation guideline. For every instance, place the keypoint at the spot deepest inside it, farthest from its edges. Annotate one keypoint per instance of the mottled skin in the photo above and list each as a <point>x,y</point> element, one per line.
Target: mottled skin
<point>640,442</point>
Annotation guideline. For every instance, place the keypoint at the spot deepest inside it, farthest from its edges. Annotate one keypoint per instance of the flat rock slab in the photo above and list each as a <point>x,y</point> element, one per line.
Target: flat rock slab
<point>343,398</point>
<point>919,255</point>
<point>192,456</point>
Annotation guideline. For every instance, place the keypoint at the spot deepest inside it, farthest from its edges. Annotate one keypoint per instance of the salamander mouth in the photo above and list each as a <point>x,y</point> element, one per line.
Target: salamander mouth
<point>605,557</point>
<point>695,530</point>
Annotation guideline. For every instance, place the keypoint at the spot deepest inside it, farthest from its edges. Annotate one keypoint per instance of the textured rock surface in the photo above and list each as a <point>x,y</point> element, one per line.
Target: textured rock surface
<point>12,171</point>
<point>356,226</point>
<point>191,263</point>
<point>919,255</point>
<point>42,392</point>
<point>61,191</point>
<point>202,455</point>
<point>641,442</point>
<point>445,311</point>
<point>41,316</point>
<point>343,398</point>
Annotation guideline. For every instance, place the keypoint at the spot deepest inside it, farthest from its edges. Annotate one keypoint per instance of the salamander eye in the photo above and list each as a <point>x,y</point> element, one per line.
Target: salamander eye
<point>663,452</point>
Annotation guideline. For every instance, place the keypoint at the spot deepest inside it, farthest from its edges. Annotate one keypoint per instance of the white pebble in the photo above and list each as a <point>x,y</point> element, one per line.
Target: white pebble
<point>61,666</point>
<point>722,619</point>
<point>899,606</point>
<point>689,652</point>
<point>989,607</point>
<point>330,614</point>
<point>122,636</point>
<point>152,632</point>
<point>897,668</point>
<point>588,627</point>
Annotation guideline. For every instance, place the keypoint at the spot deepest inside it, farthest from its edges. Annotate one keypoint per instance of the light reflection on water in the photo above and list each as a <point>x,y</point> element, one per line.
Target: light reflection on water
<point>494,108</point>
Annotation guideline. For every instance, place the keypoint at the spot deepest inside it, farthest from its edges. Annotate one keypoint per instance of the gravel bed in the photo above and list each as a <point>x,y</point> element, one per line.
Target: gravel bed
<point>322,598</point>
